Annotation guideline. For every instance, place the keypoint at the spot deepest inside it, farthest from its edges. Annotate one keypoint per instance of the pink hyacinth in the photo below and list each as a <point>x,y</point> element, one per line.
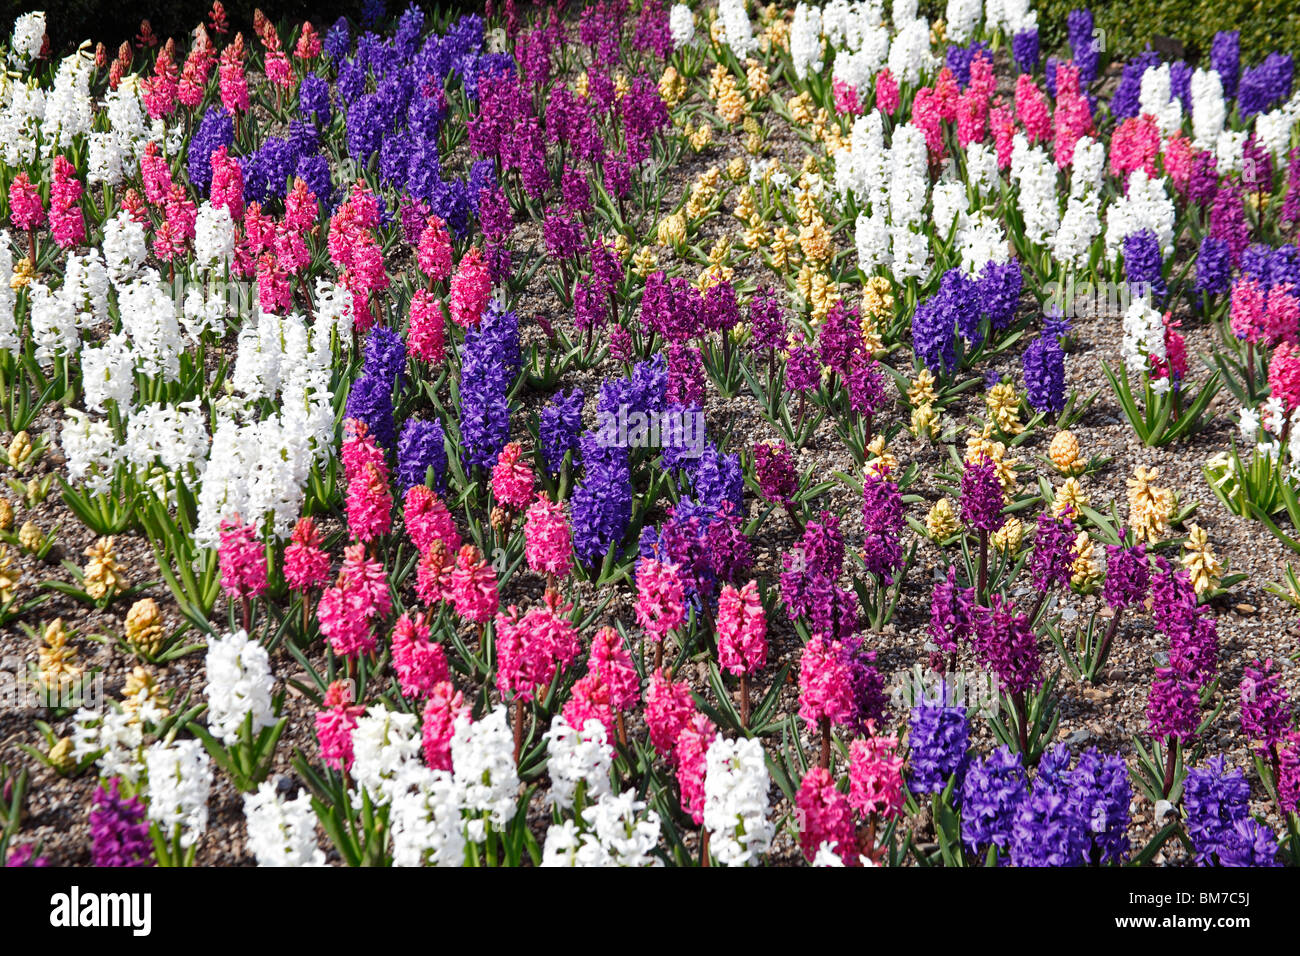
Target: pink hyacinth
<point>159,91</point>
<point>512,479</point>
<point>1284,375</point>
<point>345,621</point>
<point>433,574</point>
<point>471,287</point>
<point>1178,160</point>
<point>1073,119</point>
<point>360,451</point>
<point>427,520</point>
<point>846,98</point>
<point>67,223</point>
<point>825,684</point>
<point>668,709</point>
<point>300,208</point>
<point>1003,125</point>
<point>334,726</point>
<point>659,598</point>
<point>233,84</point>
<point>742,630</point>
<point>227,190</point>
<point>306,564</point>
<point>26,211</point>
<point>590,700</point>
<point>366,576</point>
<point>1032,110</point>
<point>886,92</point>
<point>972,118</point>
<point>445,706</point>
<point>474,586</point>
<point>369,505</point>
<point>548,543</point>
<point>1247,316</point>
<point>876,777</point>
<point>433,252</point>
<point>242,558</point>
<point>531,648</point>
<point>308,46</point>
<point>274,293</point>
<point>156,173</point>
<point>825,817</point>
<point>419,662</point>
<point>278,70</point>
<point>610,661</point>
<point>927,117</point>
<point>426,337</point>
<point>1282,314</point>
<point>692,758</point>
<point>1135,144</point>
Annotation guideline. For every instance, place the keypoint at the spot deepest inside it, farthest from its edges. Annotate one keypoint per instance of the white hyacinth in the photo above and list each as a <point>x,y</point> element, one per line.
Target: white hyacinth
<point>180,778</point>
<point>681,24</point>
<point>482,753</point>
<point>736,802</point>
<point>615,831</point>
<point>281,832</point>
<point>28,37</point>
<point>108,373</point>
<point>1208,108</point>
<point>737,32</point>
<point>806,40</point>
<point>239,684</point>
<point>385,744</point>
<point>577,757</point>
<point>1144,336</point>
<point>425,822</point>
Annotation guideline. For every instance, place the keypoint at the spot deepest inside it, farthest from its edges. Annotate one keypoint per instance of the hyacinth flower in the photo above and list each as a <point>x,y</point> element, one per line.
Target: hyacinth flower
<point>242,558</point>
<point>981,510</point>
<point>742,638</point>
<point>660,602</point>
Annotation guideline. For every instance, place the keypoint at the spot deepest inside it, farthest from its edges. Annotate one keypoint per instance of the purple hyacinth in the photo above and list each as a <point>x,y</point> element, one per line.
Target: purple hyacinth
<point>1264,85</point>
<point>1049,828</point>
<point>1173,705</point>
<point>216,129</point>
<point>717,477</point>
<point>937,736</point>
<point>803,370</point>
<point>868,685</point>
<point>936,321</point>
<point>1005,643</point>
<point>1215,800</point>
<point>490,359</point>
<point>952,611</point>
<point>1265,707</point>
<point>981,495</point>
<point>420,448</point>
<point>1124,104</point>
<point>998,291</point>
<point>1228,220</point>
<point>1248,843</point>
<point>601,507</point>
<point>1128,575</point>
<point>766,320</point>
<point>1024,50</point>
<point>882,524</point>
<point>1083,44</point>
<point>1225,59</point>
<point>1099,788</point>
<point>840,338</point>
<point>385,356</point>
<point>774,471</point>
<point>1213,267</point>
<point>866,385</point>
<point>992,792</point>
<point>1052,560</point>
<point>118,829</point>
<point>558,426</point>
<point>1144,266</point>
<point>371,401</point>
<point>1043,366</point>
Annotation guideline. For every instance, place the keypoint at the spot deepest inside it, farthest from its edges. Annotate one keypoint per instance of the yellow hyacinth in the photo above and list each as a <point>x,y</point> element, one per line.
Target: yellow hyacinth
<point>701,138</point>
<point>1084,571</point>
<point>1070,495</point>
<point>645,262</point>
<point>20,449</point>
<point>1149,507</point>
<point>1201,562</point>
<point>737,169</point>
<point>878,301</point>
<point>879,457</point>
<point>925,422</point>
<point>23,274</point>
<point>672,87</point>
<point>144,628</point>
<point>921,390</point>
<point>56,662</point>
<point>1003,403</point>
<point>756,79</point>
<point>672,230</point>
<point>61,756</point>
<point>30,537</point>
<point>103,574</point>
<point>6,515</point>
<point>784,242</point>
<point>141,691</point>
<point>1007,538</point>
<point>10,576</point>
<point>941,521</point>
<point>1064,454</point>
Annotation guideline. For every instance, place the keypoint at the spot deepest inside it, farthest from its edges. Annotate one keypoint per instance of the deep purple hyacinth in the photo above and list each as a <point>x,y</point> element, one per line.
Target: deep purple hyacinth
<point>1213,267</point>
<point>823,546</point>
<point>882,524</point>
<point>870,702</point>
<point>992,792</point>
<point>774,471</point>
<point>1225,59</point>
<point>728,548</point>
<point>1128,575</point>
<point>766,320</point>
<point>866,385</point>
<point>1025,50</point>
<point>1084,46</point>
<point>118,829</point>
<point>840,338</point>
<point>420,448</point>
<point>1291,204</point>
<point>1228,220</point>
<point>803,369</point>
<point>937,736</point>
<point>1051,562</point>
<point>1265,85</point>
<point>1005,643</point>
<point>558,426</point>
<point>25,855</point>
<point>686,378</point>
<point>952,613</point>
<point>1265,707</point>
<point>720,312</point>
<point>1256,167</point>
<point>1173,706</point>
<point>1099,788</point>
<point>562,233</point>
<point>1049,828</point>
<point>1203,180</point>
<point>981,495</point>
<point>1144,265</point>
<point>1215,800</point>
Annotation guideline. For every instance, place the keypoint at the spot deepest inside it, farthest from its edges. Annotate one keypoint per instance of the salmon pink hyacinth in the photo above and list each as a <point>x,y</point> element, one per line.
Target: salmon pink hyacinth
<point>512,479</point>
<point>474,586</point>
<point>659,598</point>
<point>334,726</point>
<point>668,709</point>
<point>548,542</point>
<point>433,574</point>
<point>420,663</point>
<point>427,520</point>
<point>306,563</point>
<point>610,661</point>
<point>825,817</point>
<point>742,630</point>
<point>308,45</point>
<point>444,707</point>
<point>471,288</point>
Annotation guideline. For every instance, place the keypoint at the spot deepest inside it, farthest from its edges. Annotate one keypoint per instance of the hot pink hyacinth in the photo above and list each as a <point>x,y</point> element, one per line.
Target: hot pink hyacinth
<point>345,620</point>
<point>306,563</point>
<point>366,576</point>
<point>1033,110</point>
<point>512,479</point>
<point>471,288</point>
<point>692,758</point>
<point>846,98</point>
<point>1178,160</point>
<point>876,776</point>
<point>232,83</point>
<point>444,706</point>
<point>334,726</point>
<point>886,92</point>
<point>427,520</point>
<point>532,647</point>
<point>26,211</point>
<point>474,586</point>
<point>1003,126</point>
<point>825,817</point>
<point>433,574</point>
<point>369,505</point>
<point>927,117</point>
<point>426,337</point>
<point>67,224</point>
<point>1284,375</point>
<point>242,558</point>
<point>227,190</point>
<point>742,630</point>
<point>419,662</point>
<point>1135,144</point>
<point>360,451</point>
<point>548,542</point>
<point>1282,314</point>
<point>1247,316</point>
<point>825,684</point>
<point>668,709</point>
<point>659,598</point>
<point>590,700</point>
<point>156,173</point>
<point>610,660</point>
<point>433,252</point>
